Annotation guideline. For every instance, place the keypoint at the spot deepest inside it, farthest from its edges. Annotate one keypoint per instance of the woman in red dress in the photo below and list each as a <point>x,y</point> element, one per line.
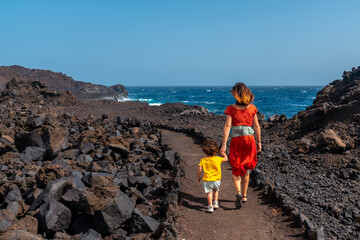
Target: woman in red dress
<point>240,117</point>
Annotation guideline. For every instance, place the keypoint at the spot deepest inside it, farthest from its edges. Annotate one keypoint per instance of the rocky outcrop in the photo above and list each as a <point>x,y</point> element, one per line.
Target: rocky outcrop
<point>61,82</point>
<point>335,112</point>
<point>90,92</point>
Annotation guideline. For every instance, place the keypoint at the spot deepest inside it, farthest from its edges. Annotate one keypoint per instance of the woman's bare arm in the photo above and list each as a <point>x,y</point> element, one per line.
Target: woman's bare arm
<point>226,133</point>
<point>257,132</point>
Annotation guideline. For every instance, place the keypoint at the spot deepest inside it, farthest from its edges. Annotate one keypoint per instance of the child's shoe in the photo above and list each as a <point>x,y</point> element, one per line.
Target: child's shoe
<point>210,209</point>
<point>238,202</point>
<point>216,204</point>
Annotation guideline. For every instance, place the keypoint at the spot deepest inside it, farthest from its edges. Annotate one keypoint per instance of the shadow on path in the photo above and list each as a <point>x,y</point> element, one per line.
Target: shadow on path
<point>191,202</point>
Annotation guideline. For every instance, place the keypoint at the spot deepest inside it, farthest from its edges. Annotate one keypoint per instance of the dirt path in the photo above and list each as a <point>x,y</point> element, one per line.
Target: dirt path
<point>255,220</point>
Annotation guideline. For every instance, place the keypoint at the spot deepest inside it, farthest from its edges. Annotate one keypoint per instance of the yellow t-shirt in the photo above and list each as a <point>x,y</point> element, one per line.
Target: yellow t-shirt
<point>212,168</point>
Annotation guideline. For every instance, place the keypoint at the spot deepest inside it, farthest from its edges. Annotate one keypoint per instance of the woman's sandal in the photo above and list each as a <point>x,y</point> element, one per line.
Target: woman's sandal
<point>238,202</point>
<point>244,199</point>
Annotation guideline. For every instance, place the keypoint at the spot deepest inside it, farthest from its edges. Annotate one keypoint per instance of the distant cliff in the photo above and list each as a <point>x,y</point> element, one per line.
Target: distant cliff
<point>59,81</point>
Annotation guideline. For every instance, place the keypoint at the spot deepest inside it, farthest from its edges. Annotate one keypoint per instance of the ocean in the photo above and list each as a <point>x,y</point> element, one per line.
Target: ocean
<point>269,100</point>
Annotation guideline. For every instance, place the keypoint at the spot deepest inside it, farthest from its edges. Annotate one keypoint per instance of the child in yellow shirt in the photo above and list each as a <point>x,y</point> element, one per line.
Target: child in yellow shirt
<point>211,164</point>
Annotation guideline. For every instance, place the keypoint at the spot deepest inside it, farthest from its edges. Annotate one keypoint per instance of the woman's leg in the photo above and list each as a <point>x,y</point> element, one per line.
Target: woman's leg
<point>245,183</point>
<point>237,181</point>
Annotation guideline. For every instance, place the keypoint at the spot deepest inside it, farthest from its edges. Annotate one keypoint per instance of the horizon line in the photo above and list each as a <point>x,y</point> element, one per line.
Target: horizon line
<point>222,85</point>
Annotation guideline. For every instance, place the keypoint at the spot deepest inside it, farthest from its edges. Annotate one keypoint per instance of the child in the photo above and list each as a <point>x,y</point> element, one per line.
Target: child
<point>243,149</point>
<point>212,172</point>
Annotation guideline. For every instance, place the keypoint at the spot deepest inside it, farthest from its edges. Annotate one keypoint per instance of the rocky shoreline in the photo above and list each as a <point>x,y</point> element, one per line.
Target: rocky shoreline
<point>309,165</point>
<point>92,178</point>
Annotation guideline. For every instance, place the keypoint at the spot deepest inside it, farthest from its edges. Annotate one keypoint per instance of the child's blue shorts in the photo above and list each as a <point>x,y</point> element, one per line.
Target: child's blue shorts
<point>211,186</point>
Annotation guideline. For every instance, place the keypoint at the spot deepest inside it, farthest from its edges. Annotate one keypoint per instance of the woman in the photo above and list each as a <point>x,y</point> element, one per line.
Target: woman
<point>243,148</point>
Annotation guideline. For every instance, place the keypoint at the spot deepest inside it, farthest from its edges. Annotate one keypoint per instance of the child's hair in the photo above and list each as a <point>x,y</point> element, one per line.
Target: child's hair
<point>242,94</point>
<point>209,147</point>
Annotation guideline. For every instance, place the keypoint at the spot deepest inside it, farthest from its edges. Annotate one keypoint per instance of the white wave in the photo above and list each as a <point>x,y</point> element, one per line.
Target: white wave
<point>145,99</point>
<point>155,104</point>
<point>126,99</point>
<point>209,90</point>
<point>206,102</point>
<point>185,101</point>
<point>303,91</point>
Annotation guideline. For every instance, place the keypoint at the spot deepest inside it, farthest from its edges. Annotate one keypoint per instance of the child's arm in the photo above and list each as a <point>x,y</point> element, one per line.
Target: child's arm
<point>225,157</point>
<point>227,128</point>
<point>199,173</point>
<point>257,133</point>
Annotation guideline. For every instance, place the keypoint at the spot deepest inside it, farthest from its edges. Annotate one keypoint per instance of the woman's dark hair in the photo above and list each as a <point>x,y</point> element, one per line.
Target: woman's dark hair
<point>209,147</point>
<point>242,94</point>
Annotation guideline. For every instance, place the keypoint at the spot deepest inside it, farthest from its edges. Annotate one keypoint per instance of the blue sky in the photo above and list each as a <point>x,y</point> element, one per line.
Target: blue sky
<point>183,42</point>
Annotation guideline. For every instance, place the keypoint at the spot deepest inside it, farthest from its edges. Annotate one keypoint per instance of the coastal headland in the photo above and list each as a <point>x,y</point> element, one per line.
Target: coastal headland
<point>60,82</point>
<point>100,169</point>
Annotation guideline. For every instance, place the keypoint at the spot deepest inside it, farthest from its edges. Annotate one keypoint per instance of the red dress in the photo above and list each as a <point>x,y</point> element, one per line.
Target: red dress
<point>242,154</point>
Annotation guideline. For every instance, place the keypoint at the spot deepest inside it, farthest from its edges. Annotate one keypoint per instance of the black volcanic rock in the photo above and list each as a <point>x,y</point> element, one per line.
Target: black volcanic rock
<point>52,191</point>
<point>91,235</point>
<point>54,216</point>
<point>141,223</point>
<point>117,211</point>
<point>168,160</point>
<point>13,195</point>
<point>59,81</point>
<point>32,154</point>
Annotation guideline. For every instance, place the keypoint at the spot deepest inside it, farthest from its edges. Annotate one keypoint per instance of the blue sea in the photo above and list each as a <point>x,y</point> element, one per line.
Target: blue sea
<point>269,100</point>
